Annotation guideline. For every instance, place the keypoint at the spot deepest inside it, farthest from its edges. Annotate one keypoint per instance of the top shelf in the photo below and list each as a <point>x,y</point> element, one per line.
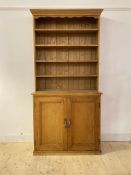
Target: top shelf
<point>66,46</point>
<point>67,30</point>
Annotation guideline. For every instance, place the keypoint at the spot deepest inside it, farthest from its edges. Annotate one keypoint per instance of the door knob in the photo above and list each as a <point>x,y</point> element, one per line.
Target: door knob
<point>67,122</point>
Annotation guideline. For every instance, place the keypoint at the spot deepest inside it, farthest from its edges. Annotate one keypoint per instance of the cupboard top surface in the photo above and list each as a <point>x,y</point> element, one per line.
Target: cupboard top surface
<point>63,93</point>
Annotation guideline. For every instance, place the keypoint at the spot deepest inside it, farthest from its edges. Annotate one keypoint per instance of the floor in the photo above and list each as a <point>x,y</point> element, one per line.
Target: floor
<point>17,159</point>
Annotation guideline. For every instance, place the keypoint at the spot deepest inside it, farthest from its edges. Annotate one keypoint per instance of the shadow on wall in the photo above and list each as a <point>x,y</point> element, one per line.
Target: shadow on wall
<point>110,147</point>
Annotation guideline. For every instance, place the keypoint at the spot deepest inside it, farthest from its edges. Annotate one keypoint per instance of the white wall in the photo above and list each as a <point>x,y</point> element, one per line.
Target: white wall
<point>66,3</point>
<point>16,75</point>
<point>115,74</point>
<point>16,70</point>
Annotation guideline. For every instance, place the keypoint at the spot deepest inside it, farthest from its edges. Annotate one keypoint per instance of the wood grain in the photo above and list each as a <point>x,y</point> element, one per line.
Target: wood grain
<point>66,12</point>
<point>51,134</point>
<point>83,133</point>
<point>66,44</point>
<point>66,40</point>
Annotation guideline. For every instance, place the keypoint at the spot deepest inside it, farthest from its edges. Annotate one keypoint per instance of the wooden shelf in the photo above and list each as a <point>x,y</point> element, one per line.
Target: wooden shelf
<point>64,50</point>
<point>66,46</point>
<point>66,92</point>
<point>66,66</point>
<point>65,76</point>
<point>62,61</point>
<point>67,30</point>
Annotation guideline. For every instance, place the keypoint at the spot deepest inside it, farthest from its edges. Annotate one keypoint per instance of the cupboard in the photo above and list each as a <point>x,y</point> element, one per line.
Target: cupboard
<point>66,64</point>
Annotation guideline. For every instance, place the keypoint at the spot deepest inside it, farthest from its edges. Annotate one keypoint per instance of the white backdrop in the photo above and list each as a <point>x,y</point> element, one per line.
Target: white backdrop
<point>16,68</point>
<point>65,3</point>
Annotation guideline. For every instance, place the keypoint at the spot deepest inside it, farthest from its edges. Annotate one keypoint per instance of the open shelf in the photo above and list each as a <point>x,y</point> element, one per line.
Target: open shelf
<point>66,53</point>
<point>68,76</point>
<point>63,61</point>
<point>66,46</point>
<point>67,30</point>
<point>66,83</point>
<point>69,23</point>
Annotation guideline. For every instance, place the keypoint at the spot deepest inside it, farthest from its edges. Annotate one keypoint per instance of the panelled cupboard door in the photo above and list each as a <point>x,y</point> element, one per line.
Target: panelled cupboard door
<point>83,134</point>
<point>50,133</point>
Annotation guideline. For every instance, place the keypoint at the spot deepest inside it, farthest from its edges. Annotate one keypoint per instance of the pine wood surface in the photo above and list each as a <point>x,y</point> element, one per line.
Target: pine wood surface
<point>17,158</point>
<point>66,59</point>
<point>50,133</point>
<point>66,40</point>
<point>66,12</point>
<point>66,93</point>
<point>66,30</point>
<point>79,133</point>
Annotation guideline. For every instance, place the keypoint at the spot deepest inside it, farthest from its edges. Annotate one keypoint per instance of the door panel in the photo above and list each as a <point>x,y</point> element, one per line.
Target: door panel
<point>51,134</point>
<point>84,115</point>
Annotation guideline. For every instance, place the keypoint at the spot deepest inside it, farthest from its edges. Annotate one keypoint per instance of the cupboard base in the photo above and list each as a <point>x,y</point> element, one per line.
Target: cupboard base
<point>39,153</point>
<point>67,123</point>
